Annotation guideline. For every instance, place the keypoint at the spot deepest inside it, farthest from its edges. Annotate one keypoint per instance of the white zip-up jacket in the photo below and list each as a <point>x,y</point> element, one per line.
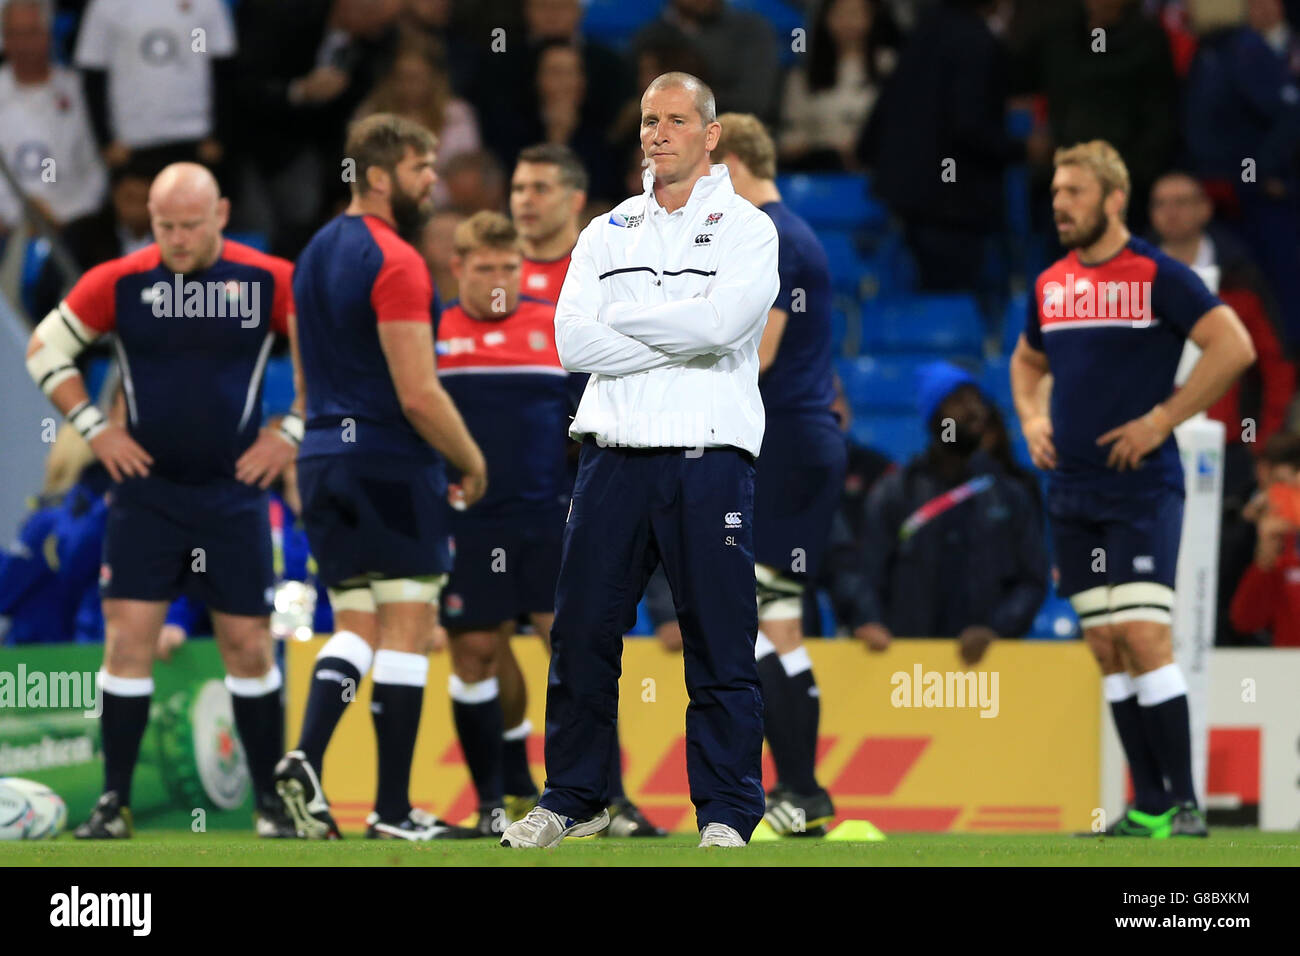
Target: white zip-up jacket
<point>665,310</point>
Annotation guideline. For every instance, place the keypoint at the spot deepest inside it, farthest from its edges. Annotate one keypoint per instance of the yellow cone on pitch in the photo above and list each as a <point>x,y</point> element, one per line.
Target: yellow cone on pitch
<point>856,831</point>
<point>763,832</point>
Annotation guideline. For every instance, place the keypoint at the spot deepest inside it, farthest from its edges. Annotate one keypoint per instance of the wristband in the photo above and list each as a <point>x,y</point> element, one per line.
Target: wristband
<point>87,419</point>
<point>293,428</point>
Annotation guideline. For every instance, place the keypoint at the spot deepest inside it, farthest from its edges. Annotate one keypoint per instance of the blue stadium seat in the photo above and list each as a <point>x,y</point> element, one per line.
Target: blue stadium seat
<point>843,259</point>
<point>839,327</point>
<point>995,381</point>
<point>897,436</point>
<point>643,626</point>
<point>615,22</point>
<point>34,258</point>
<point>277,386</point>
<point>833,200</point>
<point>1013,321</point>
<point>881,383</point>
<point>783,18</point>
<point>62,32</point>
<point>888,269</point>
<point>948,324</point>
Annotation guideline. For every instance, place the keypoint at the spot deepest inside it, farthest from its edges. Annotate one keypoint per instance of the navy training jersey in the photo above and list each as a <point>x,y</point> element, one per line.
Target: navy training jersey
<point>505,376</point>
<point>800,378</point>
<point>192,350</point>
<point>355,273</point>
<point>1113,333</point>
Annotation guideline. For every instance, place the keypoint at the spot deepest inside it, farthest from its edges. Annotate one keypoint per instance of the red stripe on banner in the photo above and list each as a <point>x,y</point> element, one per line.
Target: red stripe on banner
<point>824,745</point>
<point>1017,809</point>
<point>1038,824</point>
<point>879,766</point>
<point>907,819</point>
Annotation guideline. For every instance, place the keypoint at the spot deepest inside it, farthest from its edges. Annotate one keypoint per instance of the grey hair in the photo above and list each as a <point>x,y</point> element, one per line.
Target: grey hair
<point>705,105</point>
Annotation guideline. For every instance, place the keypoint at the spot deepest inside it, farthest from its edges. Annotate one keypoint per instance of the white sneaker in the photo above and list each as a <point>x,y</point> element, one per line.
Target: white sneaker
<point>546,828</point>
<point>719,834</point>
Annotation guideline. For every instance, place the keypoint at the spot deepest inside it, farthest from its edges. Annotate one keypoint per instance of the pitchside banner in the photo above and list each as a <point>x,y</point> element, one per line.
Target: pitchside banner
<point>911,739</point>
<point>192,773</point>
<point>1200,445</point>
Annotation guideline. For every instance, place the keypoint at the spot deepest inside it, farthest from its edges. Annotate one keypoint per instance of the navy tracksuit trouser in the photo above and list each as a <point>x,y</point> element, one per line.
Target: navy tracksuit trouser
<point>632,508</point>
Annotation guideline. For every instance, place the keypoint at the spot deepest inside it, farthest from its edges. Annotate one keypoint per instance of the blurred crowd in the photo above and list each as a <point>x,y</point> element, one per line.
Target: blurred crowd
<point>1201,98</point>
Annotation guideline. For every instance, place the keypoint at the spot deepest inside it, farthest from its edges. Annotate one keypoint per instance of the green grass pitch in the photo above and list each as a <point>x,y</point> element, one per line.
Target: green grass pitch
<point>1225,847</point>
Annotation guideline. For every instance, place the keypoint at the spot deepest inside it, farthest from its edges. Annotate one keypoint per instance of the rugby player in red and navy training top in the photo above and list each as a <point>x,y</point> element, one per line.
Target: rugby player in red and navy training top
<point>195,316</point>
<point>370,477</point>
<point>548,193</point>
<point>497,360</point>
<point>1109,322</point>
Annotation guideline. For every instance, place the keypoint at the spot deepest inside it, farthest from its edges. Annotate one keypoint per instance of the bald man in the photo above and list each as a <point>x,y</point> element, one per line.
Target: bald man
<point>195,316</point>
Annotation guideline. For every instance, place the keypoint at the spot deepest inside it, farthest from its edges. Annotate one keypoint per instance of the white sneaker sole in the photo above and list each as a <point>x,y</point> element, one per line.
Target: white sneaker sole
<point>585,828</point>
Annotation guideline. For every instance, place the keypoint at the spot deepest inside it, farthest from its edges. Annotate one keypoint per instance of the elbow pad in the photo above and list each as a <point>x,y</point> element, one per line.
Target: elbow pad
<point>63,337</point>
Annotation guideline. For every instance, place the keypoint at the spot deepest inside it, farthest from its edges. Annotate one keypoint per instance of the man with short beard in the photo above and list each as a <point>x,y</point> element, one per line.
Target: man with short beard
<point>1108,322</point>
<point>369,471</point>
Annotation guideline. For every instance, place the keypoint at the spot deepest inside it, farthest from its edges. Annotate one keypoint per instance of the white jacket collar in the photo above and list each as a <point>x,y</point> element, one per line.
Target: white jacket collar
<point>715,186</point>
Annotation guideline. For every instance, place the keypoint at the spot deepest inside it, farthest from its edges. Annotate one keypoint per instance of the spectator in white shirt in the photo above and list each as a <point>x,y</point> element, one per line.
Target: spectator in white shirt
<point>830,92</point>
<point>150,68</point>
<point>45,134</point>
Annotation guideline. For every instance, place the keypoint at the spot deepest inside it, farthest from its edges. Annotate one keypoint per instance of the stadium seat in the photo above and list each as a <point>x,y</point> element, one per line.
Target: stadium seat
<point>881,383</point>
<point>995,382</point>
<point>948,324</point>
<point>615,22</point>
<point>783,17</point>
<point>277,386</point>
<point>897,436</point>
<point>844,260</point>
<point>1013,321</point>
<point>839,326</point>
<point>34,258</point>
<point>643,627</point>
<point>888,268</point>
<point>833,200</point>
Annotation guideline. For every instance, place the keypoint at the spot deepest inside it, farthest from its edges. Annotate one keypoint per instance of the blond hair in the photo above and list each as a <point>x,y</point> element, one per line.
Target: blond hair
<point>745,137</point>
<point>485,229</point>
<point>1102,160</point>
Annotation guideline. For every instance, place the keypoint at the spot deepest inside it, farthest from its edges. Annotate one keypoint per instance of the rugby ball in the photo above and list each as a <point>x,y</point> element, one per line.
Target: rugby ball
<point>48,814</point>
<point>16,813</point>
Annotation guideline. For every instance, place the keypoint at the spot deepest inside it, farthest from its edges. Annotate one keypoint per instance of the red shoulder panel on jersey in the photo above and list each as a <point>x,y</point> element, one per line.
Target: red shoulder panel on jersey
<point>403,290</point>
<point>1071,294</point>
<point>522,341</point>
<point>281,271</point>
<point>92,299</point>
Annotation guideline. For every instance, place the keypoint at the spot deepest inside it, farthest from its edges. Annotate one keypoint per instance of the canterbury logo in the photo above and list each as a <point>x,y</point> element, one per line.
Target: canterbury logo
<point>731,519</point>
<point>704,238</point>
